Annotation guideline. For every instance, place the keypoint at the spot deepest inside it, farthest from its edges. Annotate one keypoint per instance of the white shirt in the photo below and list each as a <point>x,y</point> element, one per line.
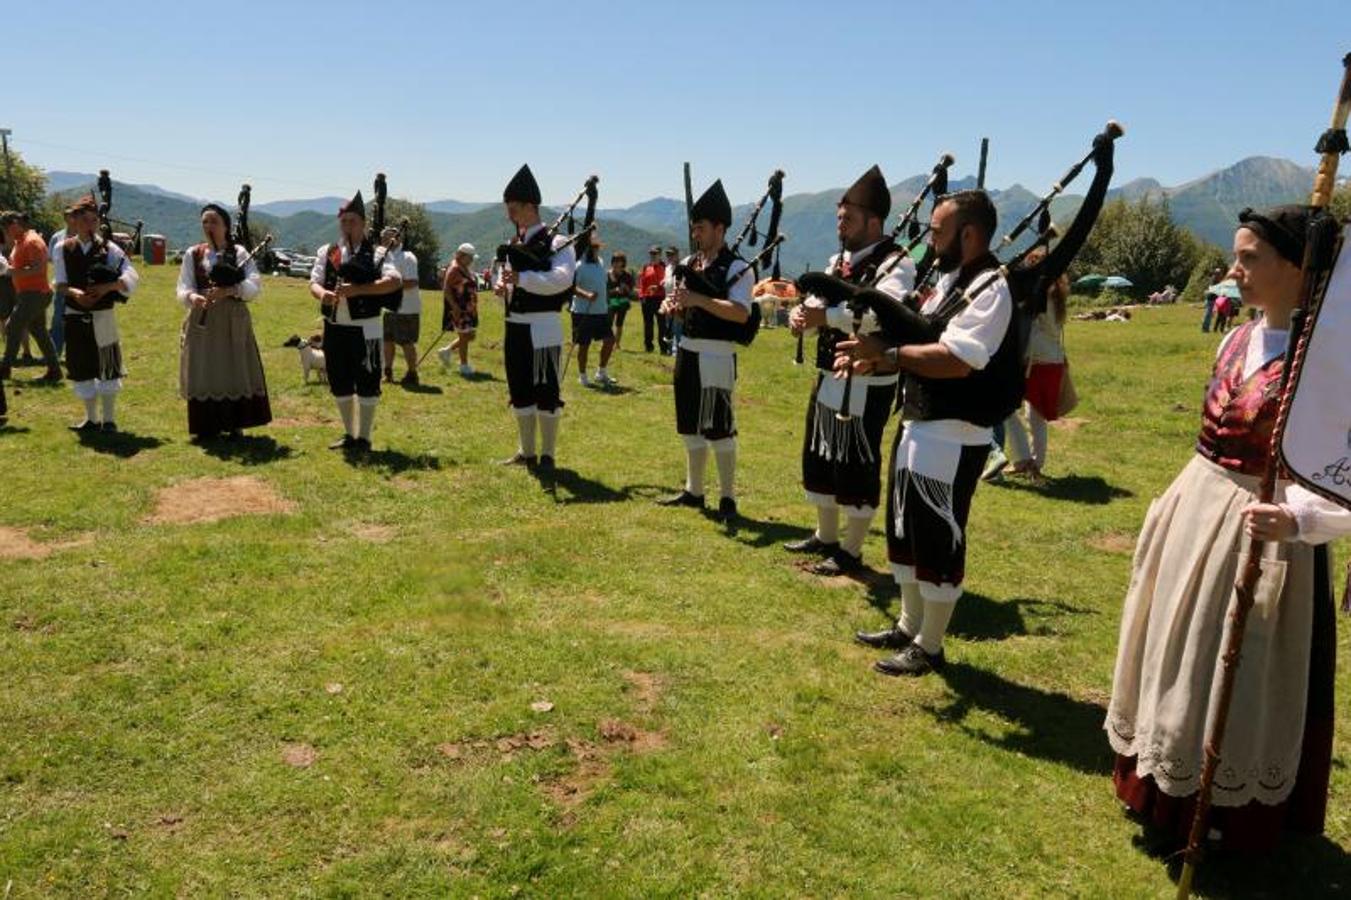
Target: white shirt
<point>249,288</point>
<point>406,263</point>
<point>973,336</point>
<point>899,281</point>
<point>554,280</point>
<point>115,259</point>
<point>54,245</point>
<point>738,291</point>
<point>372,324</point>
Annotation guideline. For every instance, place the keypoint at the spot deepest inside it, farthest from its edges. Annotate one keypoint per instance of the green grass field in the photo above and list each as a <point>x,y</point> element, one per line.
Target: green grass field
<point>424,675</point>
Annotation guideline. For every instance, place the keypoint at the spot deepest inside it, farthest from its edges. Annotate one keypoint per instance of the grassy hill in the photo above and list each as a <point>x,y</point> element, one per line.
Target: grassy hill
<point>262,670</point>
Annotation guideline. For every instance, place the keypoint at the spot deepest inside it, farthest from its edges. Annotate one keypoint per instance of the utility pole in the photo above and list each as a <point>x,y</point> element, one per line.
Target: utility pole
<point>9,171</point>
<point>984,154</point>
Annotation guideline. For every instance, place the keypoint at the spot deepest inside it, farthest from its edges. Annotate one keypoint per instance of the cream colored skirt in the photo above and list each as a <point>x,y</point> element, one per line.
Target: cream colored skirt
<point>220,361</point>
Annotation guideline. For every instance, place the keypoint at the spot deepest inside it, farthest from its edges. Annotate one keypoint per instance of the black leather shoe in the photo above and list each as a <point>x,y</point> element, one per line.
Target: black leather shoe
<point>726,510</point>
<point>86,425</point>
<point>51,376</point>
<point>684,498</point>
<point>841,562</point>
<point>519,459</point>
<point>409,380</point>
<point>360,445</point>
<point>890,639</point>
<point>911,661</point>
<point>5,372</point>
<point>109,428</point>
<point>811,544</point>
<point>546,464</point>
<point>344,443</point>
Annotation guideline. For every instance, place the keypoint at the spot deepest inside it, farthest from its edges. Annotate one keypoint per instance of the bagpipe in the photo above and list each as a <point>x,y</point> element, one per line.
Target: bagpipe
<point>363,266</point>
<point>695,281</point>
<point>523,258</point>
<point>230,271</point>
<point>100,272</point>
<point>749,232</point>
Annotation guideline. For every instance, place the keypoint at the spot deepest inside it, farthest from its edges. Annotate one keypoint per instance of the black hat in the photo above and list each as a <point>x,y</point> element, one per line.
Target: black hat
<point>713,206</point>
<point>355,205</point>
<point>220,211</point>
<point>1283,227</point>
<point>522,188</point>
<point>871,193</point>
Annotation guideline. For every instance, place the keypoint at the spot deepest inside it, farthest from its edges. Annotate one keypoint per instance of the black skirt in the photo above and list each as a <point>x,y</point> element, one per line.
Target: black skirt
<point>353,362</point>
<point>699,412</point>
<point>85,361</point>
<point>849,467</point>
<point>210,417</point>
<point>532,376</point>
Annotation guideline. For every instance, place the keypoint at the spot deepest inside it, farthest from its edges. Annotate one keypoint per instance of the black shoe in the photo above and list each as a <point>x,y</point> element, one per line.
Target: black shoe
<point>890,639</point>
<point>5,371</point>
<point>389,376</point>
<point>343,443</point>
<point>51,376</point>
<point>409,380</point>
<point>726,510</point>
<point>684,498</point>
<point>911,661</point>
<point>546,464</point>
<point>360,445</point>
<point>812,544</point>
<point>519,459</point>
<point>86,425</point>
<point>109,428</point>
<point>841,562</point>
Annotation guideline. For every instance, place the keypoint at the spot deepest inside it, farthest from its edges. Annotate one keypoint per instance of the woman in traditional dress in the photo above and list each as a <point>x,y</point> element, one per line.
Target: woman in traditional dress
<point>1277,750</point>
<point>1027,430</point>
<point>220,370</point>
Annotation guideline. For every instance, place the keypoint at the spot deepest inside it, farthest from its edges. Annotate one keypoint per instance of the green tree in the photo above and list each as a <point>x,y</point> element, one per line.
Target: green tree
<point>1341,202</point>
<point>24,187</point>
<point>1208,259</point>
<point>419,239</point>
<point>1141,242</point>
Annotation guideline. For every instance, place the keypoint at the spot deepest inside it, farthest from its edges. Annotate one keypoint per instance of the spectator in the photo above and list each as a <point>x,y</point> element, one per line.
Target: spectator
<point>591,315</point>
<point>1046,373</point>
<point>619,285</point>
<point>32,294</point>
<point>58,327</point>
<point>652,291</point>
<point>1216,274</point>
<point>674,325</point>
<point>459,293</point>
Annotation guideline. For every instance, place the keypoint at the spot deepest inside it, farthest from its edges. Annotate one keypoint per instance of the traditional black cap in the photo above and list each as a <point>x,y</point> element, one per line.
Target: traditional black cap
<point>713,206</point>
<point>870,192</point>
<point>355,205</point>
<point>1283,227</point>
<point>522,188</point>
<point>220,211</point>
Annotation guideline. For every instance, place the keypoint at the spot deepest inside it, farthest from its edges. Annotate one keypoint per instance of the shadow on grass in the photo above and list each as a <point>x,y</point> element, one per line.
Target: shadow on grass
<point>122,444</point>
<point>7,428</point>
<point>977,617</point>
<point>1301,866</point>
<point>1091,489</point>
<point>248,450</point>
<point>579,488</point>
<point>1045,725</point>
<point>761,533</point>
<point>421,388</point>
<point>391,461</point>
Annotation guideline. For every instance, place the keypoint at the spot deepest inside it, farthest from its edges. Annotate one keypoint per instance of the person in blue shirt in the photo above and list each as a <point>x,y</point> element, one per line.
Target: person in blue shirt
<point>591,315</point>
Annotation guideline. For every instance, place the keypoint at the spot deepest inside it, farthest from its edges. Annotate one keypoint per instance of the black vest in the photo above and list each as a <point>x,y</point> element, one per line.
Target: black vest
<point>984,397</point>
<point>522,301</point>
<point>861,271</point>
<point>85,269</point>
<point>361,268</point>
<point>702,324</point>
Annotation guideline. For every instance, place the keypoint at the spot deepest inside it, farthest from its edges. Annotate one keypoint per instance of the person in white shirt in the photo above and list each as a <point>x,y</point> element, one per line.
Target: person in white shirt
<point>956,389</point>
<point>842,449</point>
<point>705,370</point>
<point>535,295</point>
<point>668,284</point>
<point>220,369</point>
<point>58,326</point>
<point>402,326</point>
<point>93,274</point>
<point>353,283</point>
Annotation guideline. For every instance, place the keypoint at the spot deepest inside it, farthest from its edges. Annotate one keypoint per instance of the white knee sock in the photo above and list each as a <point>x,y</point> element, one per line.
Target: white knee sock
<point>855,532</point>
<point>366,416</point>
<point>828,523</point>
<point>937,615</point>
<point>91,408</point>
<point>912,609</point>
<point>109,407</point>
<point>525,424</point>
<point>696,462</point>
<point>724,454</point>
<point>548,432</point>
<point>1037,425</point>
<point>348,413</point>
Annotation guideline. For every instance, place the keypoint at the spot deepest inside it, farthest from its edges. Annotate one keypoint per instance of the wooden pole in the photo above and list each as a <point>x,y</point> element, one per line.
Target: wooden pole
<point>984,154</point>
<point>689,207</point>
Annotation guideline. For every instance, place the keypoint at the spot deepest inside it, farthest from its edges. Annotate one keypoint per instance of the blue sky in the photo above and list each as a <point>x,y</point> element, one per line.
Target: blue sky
<point>305,99</point>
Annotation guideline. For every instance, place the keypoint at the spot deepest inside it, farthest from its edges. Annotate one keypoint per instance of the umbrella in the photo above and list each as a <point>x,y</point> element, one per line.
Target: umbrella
<point>1116,281</point>
<point>1090,281</point>
<point>1225,289</point>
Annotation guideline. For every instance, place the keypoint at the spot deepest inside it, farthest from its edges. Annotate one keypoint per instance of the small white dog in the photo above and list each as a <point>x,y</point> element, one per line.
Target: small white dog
<point>312,358</point>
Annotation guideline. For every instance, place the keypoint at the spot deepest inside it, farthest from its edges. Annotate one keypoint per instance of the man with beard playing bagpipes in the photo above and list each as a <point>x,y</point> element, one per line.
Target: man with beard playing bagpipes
<point>536,284</point>
<point>842,448</point>
<point>354,282</point>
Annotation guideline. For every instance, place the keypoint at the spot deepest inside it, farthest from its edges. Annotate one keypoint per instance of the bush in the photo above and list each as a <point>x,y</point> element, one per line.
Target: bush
<point>25,189</point>
<point>420,240</point>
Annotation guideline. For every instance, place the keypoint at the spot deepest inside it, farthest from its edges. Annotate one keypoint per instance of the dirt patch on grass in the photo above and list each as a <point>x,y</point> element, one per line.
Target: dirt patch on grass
<point>1113,542</point>
<point>16,544</point>
<point>571,789</point>
<point>373,533</point>
<point>621,734</point>
<point>1069,423</point>
<point>212,499</point>
<point>647,689</point>
<point>505,747</point>
<point>300,756</point>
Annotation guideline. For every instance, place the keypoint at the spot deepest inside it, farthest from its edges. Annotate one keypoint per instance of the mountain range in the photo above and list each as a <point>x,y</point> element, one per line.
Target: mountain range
<point>1208,206</point>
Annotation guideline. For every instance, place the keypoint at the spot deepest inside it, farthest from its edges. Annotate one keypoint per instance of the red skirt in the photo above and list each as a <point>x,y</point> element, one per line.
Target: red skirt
<point>1256,827</point>
<point>1043,389</point>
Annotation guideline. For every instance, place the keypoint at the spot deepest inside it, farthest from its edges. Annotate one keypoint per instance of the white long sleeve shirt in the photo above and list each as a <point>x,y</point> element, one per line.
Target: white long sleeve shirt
<point>372,324</point>
<point>738,291</point>
<point>250,287</point>
<point>115,259</point>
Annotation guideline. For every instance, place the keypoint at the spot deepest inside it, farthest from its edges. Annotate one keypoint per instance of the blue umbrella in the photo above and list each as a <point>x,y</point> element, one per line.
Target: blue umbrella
<point>1225,289</point>
<point>1116,281</point>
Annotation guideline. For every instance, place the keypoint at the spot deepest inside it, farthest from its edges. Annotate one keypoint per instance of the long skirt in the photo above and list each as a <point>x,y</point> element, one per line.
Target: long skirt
<point>1277,749</point>
<point>220,372</point>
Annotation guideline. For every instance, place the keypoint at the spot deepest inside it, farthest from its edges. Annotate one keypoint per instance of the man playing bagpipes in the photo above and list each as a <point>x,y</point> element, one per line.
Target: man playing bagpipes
<point>715,310</point>
<point>963,374</point>
<point>93,273</point>
<point>536,284</point>
<point>354,282</point>
<point>842,448</point>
